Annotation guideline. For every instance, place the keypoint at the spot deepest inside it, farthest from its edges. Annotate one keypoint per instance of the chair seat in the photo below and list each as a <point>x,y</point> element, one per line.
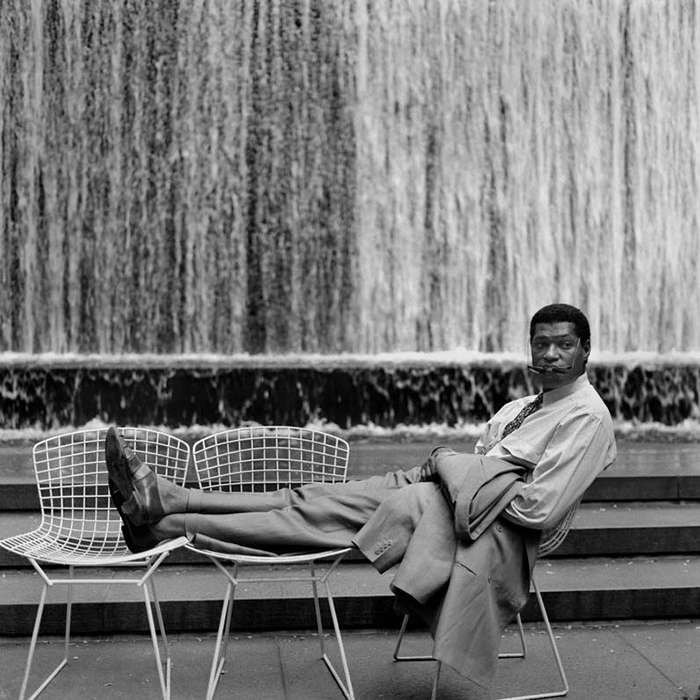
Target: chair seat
<point>283,559</point>
<point>45,546</point>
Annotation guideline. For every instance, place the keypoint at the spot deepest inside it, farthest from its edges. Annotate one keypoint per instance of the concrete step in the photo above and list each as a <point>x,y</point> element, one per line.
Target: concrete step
<point>652,471</point>
<point>645,471</point>
<point>574,589</point>
<point>615,485</point>
<point>632,528</point>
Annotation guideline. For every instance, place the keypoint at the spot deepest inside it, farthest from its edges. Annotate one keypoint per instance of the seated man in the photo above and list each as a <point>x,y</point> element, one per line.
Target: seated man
<point>538,454</point>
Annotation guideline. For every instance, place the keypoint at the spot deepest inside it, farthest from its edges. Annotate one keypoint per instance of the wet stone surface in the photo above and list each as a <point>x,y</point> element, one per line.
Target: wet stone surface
<point>49,396</point>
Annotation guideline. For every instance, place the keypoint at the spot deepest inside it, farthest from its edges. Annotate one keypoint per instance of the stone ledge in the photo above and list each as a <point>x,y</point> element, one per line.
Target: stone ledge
<point>350,393</point>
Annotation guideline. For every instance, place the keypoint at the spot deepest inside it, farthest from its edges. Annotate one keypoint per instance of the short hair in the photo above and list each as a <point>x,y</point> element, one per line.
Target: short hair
<point>562,313</point>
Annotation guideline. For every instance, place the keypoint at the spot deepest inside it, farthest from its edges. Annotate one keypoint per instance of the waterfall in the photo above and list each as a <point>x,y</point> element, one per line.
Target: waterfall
<point>285,176</point>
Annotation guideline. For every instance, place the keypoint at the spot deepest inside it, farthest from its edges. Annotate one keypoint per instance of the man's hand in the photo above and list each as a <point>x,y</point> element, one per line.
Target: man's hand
<point>428,470</point>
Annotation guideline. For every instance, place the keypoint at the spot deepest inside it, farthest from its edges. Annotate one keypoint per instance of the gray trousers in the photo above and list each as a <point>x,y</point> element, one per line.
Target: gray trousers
<point>313,516</point>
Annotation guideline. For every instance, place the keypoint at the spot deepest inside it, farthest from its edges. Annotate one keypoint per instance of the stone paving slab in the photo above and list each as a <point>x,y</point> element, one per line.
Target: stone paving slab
<point>655,660</point>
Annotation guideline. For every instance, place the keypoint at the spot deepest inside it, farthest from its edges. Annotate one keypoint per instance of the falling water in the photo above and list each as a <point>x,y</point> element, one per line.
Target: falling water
<point>274,176</point>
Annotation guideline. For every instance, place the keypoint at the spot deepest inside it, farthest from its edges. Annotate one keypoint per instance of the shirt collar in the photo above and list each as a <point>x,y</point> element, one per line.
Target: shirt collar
<point>565,390</point>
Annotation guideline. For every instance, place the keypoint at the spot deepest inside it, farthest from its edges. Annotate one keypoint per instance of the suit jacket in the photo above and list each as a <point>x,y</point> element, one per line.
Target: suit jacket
<point>461,568</point>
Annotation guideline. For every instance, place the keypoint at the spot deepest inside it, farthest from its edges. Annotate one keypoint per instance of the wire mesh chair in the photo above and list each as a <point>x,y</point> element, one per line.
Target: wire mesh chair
<point>263,459</point>
<point>551,539</point>
<point>80,529</point>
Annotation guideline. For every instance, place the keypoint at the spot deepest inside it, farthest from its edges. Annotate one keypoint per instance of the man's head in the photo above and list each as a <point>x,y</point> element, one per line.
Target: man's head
<point>560,342</point>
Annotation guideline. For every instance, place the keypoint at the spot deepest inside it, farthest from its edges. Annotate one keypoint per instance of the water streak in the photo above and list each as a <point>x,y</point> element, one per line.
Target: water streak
<point>275,176</point>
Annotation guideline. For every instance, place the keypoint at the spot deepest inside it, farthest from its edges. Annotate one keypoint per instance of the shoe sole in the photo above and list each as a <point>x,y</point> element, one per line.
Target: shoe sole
<point>117,466</point>
<point>134,540</point>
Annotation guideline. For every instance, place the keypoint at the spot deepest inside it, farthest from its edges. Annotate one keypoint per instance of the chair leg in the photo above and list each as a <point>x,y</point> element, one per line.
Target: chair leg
<point>163,674</point>
<point>229,615</point>
<point>225,627</point>
<point>419,657</point>
<point>436,681</point>
<point>35,634</point>
<point>345,687</point>
<point>552,641</point>
<point>397,649</point>
<point>523,645</point>
<point>510,655</point>
<point>69,615</point>
<point>317,608</point>
<point>164,677</point>
<point>506,655</point>
<point>32,649</point>
<point>222,635</point>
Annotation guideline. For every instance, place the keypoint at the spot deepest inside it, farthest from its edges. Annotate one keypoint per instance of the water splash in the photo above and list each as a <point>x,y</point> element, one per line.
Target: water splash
<point>306,176</point>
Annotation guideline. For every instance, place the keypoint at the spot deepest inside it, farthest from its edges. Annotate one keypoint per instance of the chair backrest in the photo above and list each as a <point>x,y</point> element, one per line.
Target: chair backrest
<point>71,476</point>
<point>553,537</point>
<point>264,458</point>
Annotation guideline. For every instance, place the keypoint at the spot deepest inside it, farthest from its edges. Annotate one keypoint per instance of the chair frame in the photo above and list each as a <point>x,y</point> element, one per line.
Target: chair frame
<point>80,529</point>
<point>266,458</point>
<point>551,539</point>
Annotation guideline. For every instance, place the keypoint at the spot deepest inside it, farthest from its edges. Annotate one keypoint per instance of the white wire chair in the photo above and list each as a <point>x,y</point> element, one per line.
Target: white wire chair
<point>551,539</point>
<point>80,528</point>
<point>262,459</point>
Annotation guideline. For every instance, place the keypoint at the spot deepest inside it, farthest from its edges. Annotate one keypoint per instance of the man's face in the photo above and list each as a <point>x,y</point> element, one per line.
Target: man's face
<point>556,345</point>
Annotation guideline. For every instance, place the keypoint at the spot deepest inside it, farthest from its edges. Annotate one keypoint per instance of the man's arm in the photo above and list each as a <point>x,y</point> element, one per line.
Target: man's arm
<point>578,451</point>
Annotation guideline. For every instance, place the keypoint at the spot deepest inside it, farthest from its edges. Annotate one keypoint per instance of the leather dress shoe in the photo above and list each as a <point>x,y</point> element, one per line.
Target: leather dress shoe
<point>117,467</point>
<point>138,538</point>
<point>134,480</point>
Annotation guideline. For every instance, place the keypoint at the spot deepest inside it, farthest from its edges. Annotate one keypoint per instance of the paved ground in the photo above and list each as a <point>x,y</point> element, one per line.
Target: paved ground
<point>640,660</point>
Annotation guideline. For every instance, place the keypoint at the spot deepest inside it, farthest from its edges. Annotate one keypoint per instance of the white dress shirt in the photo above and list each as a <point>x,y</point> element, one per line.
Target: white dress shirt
<point>565,444</point>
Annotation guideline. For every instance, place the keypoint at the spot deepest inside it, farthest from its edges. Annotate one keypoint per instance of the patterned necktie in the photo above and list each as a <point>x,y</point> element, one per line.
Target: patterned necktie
<point>524,413</point>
